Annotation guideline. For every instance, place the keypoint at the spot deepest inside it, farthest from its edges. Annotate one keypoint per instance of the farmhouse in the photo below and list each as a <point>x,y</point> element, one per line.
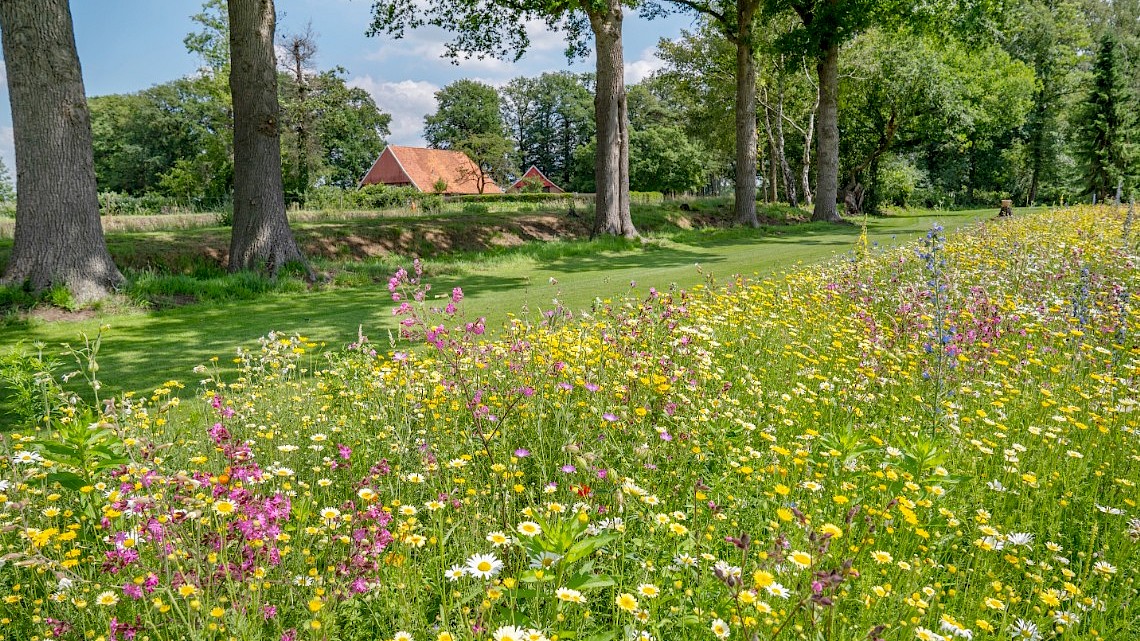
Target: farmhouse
<point>429,170</point>
<point>534,174</point>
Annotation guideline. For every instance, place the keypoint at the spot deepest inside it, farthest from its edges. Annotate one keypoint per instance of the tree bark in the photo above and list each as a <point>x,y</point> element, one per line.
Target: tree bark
<point>827,136</point>
<point>746,135</point>
<point>781,156</point>
<point>58,237</point>
<point>261,238</point>
<point>611,162</point>
<point>805,168</point>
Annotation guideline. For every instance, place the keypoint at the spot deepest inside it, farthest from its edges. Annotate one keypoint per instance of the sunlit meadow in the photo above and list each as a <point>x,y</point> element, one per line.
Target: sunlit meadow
<point>935,442</point>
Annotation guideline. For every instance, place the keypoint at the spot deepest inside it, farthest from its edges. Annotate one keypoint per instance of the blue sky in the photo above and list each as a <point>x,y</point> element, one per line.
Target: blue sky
<point>127,45</point>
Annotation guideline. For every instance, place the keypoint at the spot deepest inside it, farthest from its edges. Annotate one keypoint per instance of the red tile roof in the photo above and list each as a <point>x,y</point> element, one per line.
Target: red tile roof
<point>547,185</point>
<point>421,168</point>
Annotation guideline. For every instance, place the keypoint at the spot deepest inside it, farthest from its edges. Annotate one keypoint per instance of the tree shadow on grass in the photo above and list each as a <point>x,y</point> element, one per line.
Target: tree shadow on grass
<point>650,255</point>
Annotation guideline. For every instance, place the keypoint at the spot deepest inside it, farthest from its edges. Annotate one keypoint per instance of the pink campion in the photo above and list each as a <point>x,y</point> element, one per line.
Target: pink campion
<point>457,295</point>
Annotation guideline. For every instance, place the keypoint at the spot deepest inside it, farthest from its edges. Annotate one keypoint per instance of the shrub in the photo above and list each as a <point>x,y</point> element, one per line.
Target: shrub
<point>515,197</point>
<point>387,197</point>
<point>898,180</point>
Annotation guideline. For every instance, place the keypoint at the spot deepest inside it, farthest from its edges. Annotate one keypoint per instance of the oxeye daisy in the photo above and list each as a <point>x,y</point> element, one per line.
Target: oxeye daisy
<point>509,633</point>
<point>330,514</point>
<point>403,636</point>
<point>225,507</point>
<point>923,634</point>
<point>107,598</point>
<point>720,629</point>
<point>455,572</point>
<point>649,590</point>
<point>545,560</point>
<point>570,596</point>
<point>483,566</point>
<point>529,528</point>
<point>498,539</point>
<point>777,590</point>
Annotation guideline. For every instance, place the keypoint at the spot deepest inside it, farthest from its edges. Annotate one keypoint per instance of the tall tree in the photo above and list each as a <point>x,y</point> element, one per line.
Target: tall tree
<point>498,28</point>
<point>548,117</point>
<point>737,20</point>
<point>261,238</point>
<point>1048,35</point>
<point>58,236</point>
<point>1105,138</point>
<point>464,109</point>
<point>300,50</point>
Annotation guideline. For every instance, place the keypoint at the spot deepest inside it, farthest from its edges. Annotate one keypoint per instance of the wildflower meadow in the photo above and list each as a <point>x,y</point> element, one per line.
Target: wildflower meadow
<point>936,441</point>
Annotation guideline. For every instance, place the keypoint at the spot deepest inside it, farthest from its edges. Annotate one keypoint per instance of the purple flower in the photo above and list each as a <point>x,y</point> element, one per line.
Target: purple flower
<point>569,469</point>
<point>268,611</point>
<point>592,387</point>
<point>665,436</point>
<point>522,452</point>
<point>609,416</point>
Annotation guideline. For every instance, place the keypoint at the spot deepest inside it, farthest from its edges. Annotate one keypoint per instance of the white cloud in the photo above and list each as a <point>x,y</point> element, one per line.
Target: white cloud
<point>408,101</point>
<point>643,67</point>
<point>3,74</point>
<point>8,149</point>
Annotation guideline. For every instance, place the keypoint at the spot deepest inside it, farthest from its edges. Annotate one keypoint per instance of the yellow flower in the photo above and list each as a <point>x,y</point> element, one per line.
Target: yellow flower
<point>834,530</point>
<point>882,557</point>
<point>315,605</point>
<point>626,601</point>
<point>649,590</point>
<point>994,604</point>
<point>218,613</point>
<point>802,559</point>
<point>762,578</point>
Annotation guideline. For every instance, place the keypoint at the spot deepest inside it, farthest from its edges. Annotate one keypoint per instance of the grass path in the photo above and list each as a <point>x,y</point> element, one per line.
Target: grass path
<point>140,351</point>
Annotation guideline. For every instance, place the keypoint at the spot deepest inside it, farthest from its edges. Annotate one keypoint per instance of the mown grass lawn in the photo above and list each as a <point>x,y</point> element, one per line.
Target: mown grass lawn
<point>938,444</point>
<point>140,350</point>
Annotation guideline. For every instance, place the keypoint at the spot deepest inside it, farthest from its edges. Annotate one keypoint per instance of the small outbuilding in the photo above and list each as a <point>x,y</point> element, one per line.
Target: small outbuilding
<point>533,174</point>
<point>430,171</point>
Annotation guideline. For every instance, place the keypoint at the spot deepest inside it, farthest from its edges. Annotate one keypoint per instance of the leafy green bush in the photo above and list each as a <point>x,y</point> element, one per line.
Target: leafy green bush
<point>514,197</point>
<point>113,203</point>
<point>898,180</point>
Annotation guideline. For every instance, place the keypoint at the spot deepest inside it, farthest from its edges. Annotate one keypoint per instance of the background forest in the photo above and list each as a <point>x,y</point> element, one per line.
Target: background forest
<point>1036,102</point>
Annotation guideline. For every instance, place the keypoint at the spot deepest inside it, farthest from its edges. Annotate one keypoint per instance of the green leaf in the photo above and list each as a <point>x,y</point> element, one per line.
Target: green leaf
<point>589,581</point>
<point>69,480</point>
<point>603,636</point>
<point>586,547</point>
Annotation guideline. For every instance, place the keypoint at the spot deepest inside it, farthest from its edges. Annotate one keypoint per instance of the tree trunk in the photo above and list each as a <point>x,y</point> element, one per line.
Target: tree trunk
<point>261,238</point>
<point>827,136</point>
<point>746,135</point>
<point>58,237</point>
<point>611,162</point>
<point>781,156</point>
<point>805,168</point>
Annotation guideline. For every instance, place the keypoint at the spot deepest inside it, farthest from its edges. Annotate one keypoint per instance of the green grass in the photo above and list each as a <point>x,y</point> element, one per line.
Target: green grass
<point>141,349</point>
<point>897,446</point>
